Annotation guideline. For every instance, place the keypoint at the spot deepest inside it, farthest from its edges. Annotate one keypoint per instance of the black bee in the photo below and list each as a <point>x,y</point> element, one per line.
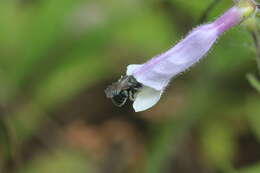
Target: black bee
<point>122,90</point>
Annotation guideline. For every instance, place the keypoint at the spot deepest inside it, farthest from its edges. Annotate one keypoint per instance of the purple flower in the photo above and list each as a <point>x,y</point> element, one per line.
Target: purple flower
<point>156,74</point>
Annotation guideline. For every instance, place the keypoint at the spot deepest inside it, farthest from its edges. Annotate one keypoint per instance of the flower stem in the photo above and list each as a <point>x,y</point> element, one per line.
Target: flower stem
<point>253,81</point>
<point>256,38</point>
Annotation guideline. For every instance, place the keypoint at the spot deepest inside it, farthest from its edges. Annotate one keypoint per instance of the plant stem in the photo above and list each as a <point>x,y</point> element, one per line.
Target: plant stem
<point>253,81</point>
<point>256,39</point>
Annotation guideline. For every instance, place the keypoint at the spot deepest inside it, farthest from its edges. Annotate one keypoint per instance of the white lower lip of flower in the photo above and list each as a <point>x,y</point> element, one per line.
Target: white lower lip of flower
<point>146,99</point>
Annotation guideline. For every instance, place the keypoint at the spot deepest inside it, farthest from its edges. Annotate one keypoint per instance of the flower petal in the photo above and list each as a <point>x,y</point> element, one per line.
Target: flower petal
<point>131,68</point>
<point>146,99</point>
<point>157,72</point>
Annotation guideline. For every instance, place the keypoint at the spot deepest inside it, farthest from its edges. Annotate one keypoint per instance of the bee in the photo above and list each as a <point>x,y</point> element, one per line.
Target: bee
<point>125,88</point>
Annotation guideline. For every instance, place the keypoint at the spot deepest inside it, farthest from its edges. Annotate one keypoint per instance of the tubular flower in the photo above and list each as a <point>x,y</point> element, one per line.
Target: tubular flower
<point>155,74</point>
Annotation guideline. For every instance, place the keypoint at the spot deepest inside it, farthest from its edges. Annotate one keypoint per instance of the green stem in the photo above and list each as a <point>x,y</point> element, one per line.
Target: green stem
<point>256,38</point>
<point>254,82</point>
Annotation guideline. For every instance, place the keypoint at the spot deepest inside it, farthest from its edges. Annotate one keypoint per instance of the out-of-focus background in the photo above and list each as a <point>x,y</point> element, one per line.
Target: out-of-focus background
<point>58,56</point>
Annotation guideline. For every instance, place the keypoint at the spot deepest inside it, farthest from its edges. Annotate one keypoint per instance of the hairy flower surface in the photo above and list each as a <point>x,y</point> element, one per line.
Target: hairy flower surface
<point>155,75</point>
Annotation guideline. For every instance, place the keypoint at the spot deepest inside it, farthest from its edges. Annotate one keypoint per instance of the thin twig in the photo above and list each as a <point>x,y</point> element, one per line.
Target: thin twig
<point>253,81</point>
<point>256,39</point>
<point>254,31</point>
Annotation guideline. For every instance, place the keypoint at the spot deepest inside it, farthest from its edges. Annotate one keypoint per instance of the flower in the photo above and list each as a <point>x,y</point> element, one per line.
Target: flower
<point>156,74</point>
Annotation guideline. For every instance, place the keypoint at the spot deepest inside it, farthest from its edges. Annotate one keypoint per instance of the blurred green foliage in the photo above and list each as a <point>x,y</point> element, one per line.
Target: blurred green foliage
<point>57,56</point>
